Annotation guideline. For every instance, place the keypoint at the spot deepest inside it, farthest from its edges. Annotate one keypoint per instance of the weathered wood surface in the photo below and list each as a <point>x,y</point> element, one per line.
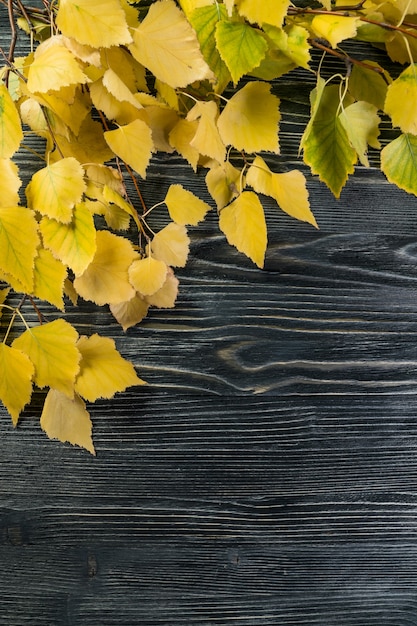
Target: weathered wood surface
<point>267,474</point>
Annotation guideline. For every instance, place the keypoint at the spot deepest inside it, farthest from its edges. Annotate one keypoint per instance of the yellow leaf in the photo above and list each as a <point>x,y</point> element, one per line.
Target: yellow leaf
<point>96,23</point>
<point>188,6</point>
<point>166,44</point>
<point>53,67</point>
<point>287,188</point>
<point>268,11</point>
<point>112,107</point>
<point>75,243</point>
<point>117,88</point>
<point>11,133</point>
<point>166,296</point>
<point>52,350</point>
<point>9,183</point>
<point>89,145</point>
<point>15,380</point>
<point>399,162</point>
<point>3,295</point>
<point>103,371</point>
<point>110,195</point>
<point>147,275</point>
<point>207,137</point>
<point>184,207</point>
<point>180,138</point>
<point>360,120</point>
<point>49,278</point>
<point>224,183</point>
<point>250,119</point>
<point>55,189</point>
<point>106,280</point>
<point>335,28</point>
<point>171,245</point>
<point>130,313</point>
<point>67,420</point>
<point>133,144</point>
<point>243,223</point>
<point>86,54</point>
<point>19,240</point>
<point>401,100</point>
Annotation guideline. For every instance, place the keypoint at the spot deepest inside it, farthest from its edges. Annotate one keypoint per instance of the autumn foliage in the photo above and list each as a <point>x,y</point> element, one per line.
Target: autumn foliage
<point>110,83</point>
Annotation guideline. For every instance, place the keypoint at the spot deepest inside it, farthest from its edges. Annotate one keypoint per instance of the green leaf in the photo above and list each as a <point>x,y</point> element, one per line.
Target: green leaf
<point>326,145</point>
<point>241,47</point>
<point>399,162</point>
<point>369,85</point>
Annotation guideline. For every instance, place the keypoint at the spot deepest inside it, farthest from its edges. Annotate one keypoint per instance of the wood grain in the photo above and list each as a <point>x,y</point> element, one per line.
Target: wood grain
<point>267,473</point>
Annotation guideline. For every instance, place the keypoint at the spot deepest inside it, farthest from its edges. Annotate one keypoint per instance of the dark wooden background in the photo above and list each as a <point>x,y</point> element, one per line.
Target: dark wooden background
<point>267,475</point>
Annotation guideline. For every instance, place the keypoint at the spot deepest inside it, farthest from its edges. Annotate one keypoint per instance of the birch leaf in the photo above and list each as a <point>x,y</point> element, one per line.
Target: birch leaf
<point>361,122</point>
<point>335,28</point>
<point>74,243</point>
<point>171,245</point>
<point>11,133</point>
<point>49,279</point>
<point>224,183</point>
<point>15,381</point>
<point>133,144</point>
<point>10,183</point>
<point>399,162</point>
<point>166,296</point>
<point>106,281</point>
<point>184,207</point>
<point>180,138</point>
<point>19,240</point>
<point>401,100</point>
<point>241,47</point>
<point>268,11</point>
<point>55,189</point>
<point>130,313</point>
<point>288,189</point>
<point>369,85</point>
<point>166,44</point>
<point>243,223</point>
<point>250,119</point>
<point>67,420</point>
<point>96,23</point>
<point>53,67</point>
<point>117,88</point>
<point>147,275</point>
<point>103,371</point>
<point>207,137</point>
<point>52,349</point>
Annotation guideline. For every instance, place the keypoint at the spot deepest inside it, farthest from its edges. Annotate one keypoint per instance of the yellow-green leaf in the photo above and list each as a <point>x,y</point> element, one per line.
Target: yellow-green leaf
<point>9,183</point>
<point>267,11</point>
<point>147,275</point>
<point>131,312</point>
<point>49,278</point>
<point>166,44</point>
<point>241,47</point>
<point>74,243</point>
<point>207,137</point>
<point>53,67</point>
<point>171,245</point>
<point>243,223</point>
<point>361,122</point>
<point>401,100</point>
<point>133,144</point>
<point>67,420</point>
<point>19,240</point>
<point>288,189</point>
<point>399,162</point>
<point>103,371</point>
<point>96,23</point>
<point>327,149</point>
<point>106,280</point>
<point>204,20</point>
<point>250,119</point>
<point>11,133</point>
<point>224,183</point>
<point>367,84</point>
<point>335,28</point>
<point>15,380</point>
<point>184,207</point>
<point>52,349</point>
<point>55,189</point>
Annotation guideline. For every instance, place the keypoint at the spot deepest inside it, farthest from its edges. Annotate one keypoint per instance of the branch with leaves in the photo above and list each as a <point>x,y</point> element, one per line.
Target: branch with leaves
<point>109,84</point>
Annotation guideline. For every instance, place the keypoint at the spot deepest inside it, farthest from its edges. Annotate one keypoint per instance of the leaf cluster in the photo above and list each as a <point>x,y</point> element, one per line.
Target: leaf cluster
<point>107,85</point>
